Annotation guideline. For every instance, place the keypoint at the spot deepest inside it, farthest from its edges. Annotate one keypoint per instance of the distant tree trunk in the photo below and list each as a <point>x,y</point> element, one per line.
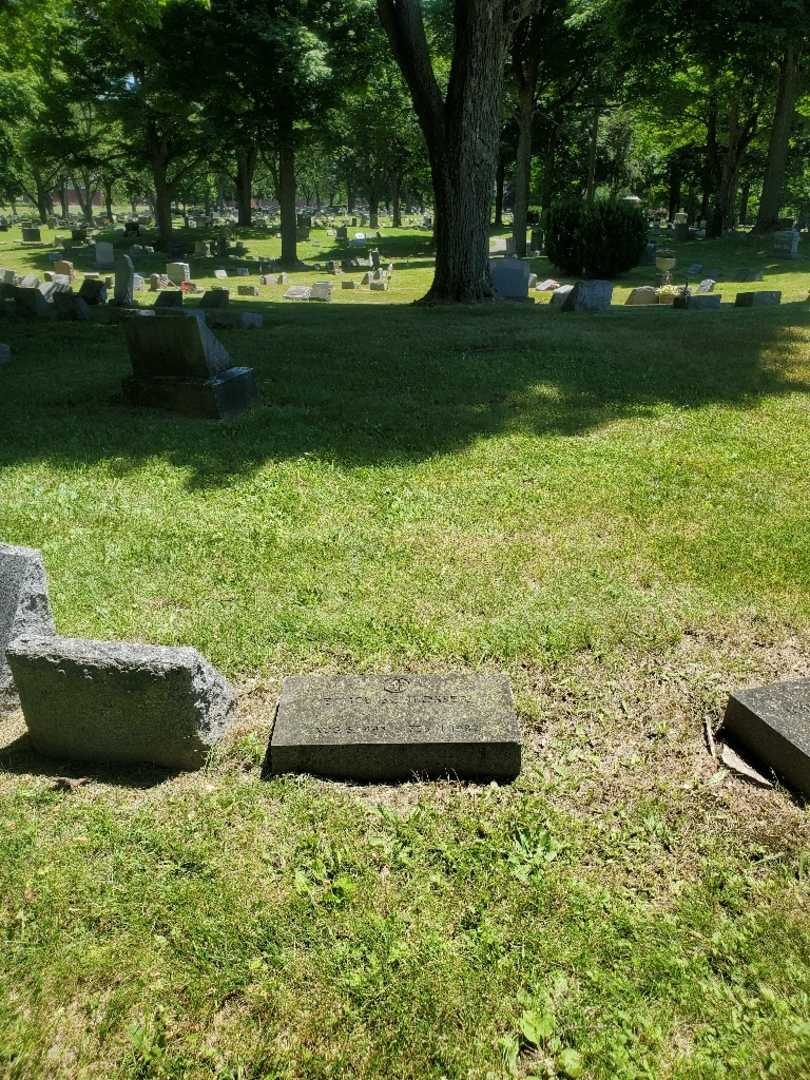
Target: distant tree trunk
<point>787,91</point>
<point>246,159</point>
<point>286,195</point>
<point>709,178</point>
<point>63,197</point>
<point>396,200</point>
<point>42,196</point>
<point>740,134</point>
<point>461,131</point>
<point>85,193</point>
<point>549,161</point>
<point>500,183</point>
<point>593,142</point>
<point>523,168</point>
<point>674,187</point>
<point>745,198</point>
<point>108,198</point>
<point>373,207</point>
<point>350,195</point>
<point>163,209</point>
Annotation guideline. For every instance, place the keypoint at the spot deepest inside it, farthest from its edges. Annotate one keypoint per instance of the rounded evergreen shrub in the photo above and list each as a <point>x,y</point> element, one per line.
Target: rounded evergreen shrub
<point>600,239</point>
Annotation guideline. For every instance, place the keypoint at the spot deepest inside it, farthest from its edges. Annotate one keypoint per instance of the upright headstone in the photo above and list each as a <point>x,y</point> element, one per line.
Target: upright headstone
<point>93,291</point>
<point>64,266</point>
<point>31,235</point>
<point>321,290</point>
<point>105,255</point>
<point>382,728</point>
<point>24,607</point>
<point>510,278</point>
<point>178,364</point>
<point>215,298</point>
<point>169,298</point>
<point>178,272</point>
<point>124,280</point>
<point>786,244</point>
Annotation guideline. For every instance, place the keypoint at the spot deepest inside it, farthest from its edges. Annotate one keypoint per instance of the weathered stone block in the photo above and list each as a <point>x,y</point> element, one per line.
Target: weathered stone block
<point>774,723</point>
<point>108,701</point>
<point>589,296</point>
<point>642,296</point>
<point>387,727</point>
<point>24,607</point>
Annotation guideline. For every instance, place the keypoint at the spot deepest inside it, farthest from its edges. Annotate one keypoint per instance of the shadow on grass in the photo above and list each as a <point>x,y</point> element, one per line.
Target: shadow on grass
<point>20,758</point>
<point>379,384</point>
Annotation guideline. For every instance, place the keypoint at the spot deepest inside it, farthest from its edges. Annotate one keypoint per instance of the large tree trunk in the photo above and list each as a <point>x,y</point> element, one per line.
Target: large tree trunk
<point>246,158</point>
<point>108,198</point>
<point>286,196</point>
<point>773,187</point>
<point>523,169</point>
<point>461,131</point>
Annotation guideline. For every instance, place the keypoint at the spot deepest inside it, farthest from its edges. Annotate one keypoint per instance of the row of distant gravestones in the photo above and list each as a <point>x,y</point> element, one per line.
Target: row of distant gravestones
<point>114,702</point>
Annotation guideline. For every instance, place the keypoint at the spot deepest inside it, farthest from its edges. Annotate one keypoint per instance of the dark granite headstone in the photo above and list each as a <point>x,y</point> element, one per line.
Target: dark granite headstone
<point>31,236</point>
<point>24,607</point>
<point>215,298</point>
<point>169,298</point>
<point>380,728</point>
<point>93,291</point>
<point>763,298</point>
<point>180,346</point>
<point>178,364</point>
<point>70,307</point>
<point>30,304</point>
<point>697,301</point>
<point>774,723</point>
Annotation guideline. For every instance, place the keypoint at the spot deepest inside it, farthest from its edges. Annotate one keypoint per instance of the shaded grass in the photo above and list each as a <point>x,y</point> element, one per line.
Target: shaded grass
<point>614,509</point>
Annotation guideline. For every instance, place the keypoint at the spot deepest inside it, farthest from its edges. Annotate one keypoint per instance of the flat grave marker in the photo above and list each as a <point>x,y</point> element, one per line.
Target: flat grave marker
<point>383,728</point>
<point>774,723</point>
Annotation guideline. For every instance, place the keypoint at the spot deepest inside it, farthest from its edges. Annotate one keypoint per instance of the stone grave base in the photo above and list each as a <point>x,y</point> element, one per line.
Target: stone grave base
<point>227,394</point>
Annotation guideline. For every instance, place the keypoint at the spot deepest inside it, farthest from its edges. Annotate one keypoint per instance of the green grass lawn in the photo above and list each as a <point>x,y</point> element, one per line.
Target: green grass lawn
<point>614,509</point>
